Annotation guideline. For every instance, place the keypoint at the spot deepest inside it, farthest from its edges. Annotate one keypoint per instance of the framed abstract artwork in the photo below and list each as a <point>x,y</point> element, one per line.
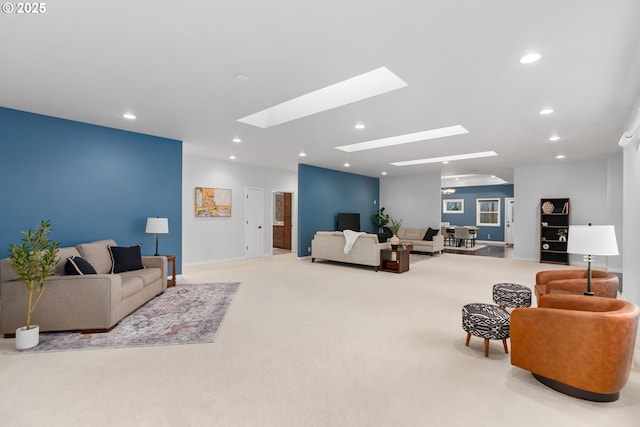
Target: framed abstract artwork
<point>212,202</point>
<point>453,206</point>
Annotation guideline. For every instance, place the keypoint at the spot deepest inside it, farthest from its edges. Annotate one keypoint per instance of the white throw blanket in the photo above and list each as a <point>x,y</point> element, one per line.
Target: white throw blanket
<point>350,238</point>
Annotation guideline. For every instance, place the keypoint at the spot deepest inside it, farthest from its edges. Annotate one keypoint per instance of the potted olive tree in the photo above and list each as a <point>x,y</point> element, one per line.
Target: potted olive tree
<point>35,260</point>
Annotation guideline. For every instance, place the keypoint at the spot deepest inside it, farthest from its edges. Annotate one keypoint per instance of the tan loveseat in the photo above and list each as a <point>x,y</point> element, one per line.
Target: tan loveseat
<point>330,245</point>
<point>415,236</point>
<point>89,302</point>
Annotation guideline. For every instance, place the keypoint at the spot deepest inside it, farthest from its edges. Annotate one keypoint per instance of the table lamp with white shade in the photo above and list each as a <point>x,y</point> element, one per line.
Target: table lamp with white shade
<point>590,240</point>
<point>157,226</point>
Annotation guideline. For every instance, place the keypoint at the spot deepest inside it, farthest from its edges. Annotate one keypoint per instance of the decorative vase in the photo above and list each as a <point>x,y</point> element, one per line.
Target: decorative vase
<point>562,238</point>
<point>27,338</point>
<point>394,242</point>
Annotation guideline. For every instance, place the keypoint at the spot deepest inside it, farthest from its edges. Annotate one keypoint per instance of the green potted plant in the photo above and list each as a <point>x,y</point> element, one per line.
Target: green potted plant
<point>34,259</point>
<point>395,226</point>
<point>380,219</point>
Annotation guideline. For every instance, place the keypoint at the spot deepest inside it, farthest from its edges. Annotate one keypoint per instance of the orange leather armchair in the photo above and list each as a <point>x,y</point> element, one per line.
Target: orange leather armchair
<point>603,284</point>
<point>579,345</point>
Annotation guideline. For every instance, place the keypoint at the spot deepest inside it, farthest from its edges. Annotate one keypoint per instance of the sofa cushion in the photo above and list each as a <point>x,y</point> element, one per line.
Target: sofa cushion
<point>97,254</point>
<point>7,272</point>
<point>131,286</point>
<point>411,233</point>
<point>428,236</point>
<point>78,266</point>
<point>125,258</point>
<point>148,275</point>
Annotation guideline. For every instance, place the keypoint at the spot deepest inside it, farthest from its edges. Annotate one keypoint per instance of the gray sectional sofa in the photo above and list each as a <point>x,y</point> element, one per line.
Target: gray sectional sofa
<point>89,302</point>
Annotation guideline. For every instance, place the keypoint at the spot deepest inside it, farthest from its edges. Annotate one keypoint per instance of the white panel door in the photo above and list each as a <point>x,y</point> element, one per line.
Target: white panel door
<point>254,216</point>
<point>509,218</point>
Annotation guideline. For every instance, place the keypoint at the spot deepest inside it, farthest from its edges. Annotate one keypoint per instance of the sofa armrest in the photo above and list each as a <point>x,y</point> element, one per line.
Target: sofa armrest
<point>157,262</point>
<point>438,242</point>
<point>68,303</point>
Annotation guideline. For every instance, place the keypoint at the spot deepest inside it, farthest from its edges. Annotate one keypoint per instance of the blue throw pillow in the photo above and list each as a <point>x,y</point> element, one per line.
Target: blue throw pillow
<point>78,266</point>
<point>125,258</point>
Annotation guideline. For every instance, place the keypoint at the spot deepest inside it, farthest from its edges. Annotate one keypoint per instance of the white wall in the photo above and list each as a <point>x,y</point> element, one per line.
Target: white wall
<point>614,204</point>
<point>631,222</point>
<point>585,183</point>
<point>414,199</point>
<point>206,240</point>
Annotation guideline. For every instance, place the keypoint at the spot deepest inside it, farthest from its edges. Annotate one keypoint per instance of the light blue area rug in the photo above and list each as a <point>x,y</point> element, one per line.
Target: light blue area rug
<point>185,314</point>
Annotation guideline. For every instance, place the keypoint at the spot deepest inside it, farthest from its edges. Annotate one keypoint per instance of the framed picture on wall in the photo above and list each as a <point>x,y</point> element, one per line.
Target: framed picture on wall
<point>453,206</point>
<point>212,202</point>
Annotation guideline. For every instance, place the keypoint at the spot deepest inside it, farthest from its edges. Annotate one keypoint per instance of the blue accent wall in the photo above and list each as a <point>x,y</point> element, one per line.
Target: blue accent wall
<point>469,195</point>
<point>92,182</point>
<point>323,193</point>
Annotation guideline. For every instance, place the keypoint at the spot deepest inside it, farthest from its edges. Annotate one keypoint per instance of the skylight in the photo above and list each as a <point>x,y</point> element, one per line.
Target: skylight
<point>357,88</point>
<point>446,158</point>
<point>404,139</point>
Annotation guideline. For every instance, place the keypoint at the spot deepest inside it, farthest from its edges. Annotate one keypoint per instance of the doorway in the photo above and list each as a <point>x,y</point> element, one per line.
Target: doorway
<point>253,230</point>
<point>281,222</point>
<point>509,220</point>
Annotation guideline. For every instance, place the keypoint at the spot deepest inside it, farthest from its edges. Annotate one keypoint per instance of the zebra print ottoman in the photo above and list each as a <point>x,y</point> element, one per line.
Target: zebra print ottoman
<point>486,321</point>
<point>511,295</point>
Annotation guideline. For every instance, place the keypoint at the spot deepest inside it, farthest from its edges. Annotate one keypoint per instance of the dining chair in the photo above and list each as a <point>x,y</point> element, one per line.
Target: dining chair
<point>462,235</point>
<point>444,230</point>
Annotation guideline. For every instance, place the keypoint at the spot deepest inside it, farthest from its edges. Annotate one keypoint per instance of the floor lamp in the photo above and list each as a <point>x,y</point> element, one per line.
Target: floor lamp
<point>590,240</point>
<point>157,226</point>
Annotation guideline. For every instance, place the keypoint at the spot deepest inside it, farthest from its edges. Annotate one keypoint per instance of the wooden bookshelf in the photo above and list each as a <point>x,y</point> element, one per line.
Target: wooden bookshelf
<point>554,223</point>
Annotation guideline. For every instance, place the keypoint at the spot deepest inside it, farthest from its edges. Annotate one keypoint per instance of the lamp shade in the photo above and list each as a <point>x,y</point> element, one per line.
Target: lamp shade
<point>157,225</point>
<point>592,240</point>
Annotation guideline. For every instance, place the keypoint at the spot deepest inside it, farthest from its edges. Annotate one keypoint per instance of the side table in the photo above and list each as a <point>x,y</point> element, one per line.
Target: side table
<point>172,260</point>
<point>394,260</point>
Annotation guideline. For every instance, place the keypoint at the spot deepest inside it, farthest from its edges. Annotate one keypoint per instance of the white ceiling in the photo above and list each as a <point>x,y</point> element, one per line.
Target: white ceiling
<point>173,64</point>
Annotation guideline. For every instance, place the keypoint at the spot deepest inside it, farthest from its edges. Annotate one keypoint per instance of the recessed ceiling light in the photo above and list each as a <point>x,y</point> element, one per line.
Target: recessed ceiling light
<point>241,77</point>
<point>359,126</point>
<point>129,116</point>
<point>236,140</point>
<point>404,139</point>
<point>560,156</point>
<point>232,157</point>
<point>546,111</point>
<point>554,138</point>
<point>346,165</point>
<point>530,58</point>
<point>446,158</point>
<point>446,162</point>
<point>302,154</point>
<point>383,173</point>
<point>357,88</point>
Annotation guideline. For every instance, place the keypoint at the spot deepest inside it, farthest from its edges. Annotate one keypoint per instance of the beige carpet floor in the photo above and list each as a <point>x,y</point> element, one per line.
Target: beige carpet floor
<point>319,344</point>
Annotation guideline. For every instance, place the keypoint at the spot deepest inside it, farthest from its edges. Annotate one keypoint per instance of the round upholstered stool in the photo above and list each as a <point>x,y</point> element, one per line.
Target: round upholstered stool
<point>486,321</point>
<point>511,295</point>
